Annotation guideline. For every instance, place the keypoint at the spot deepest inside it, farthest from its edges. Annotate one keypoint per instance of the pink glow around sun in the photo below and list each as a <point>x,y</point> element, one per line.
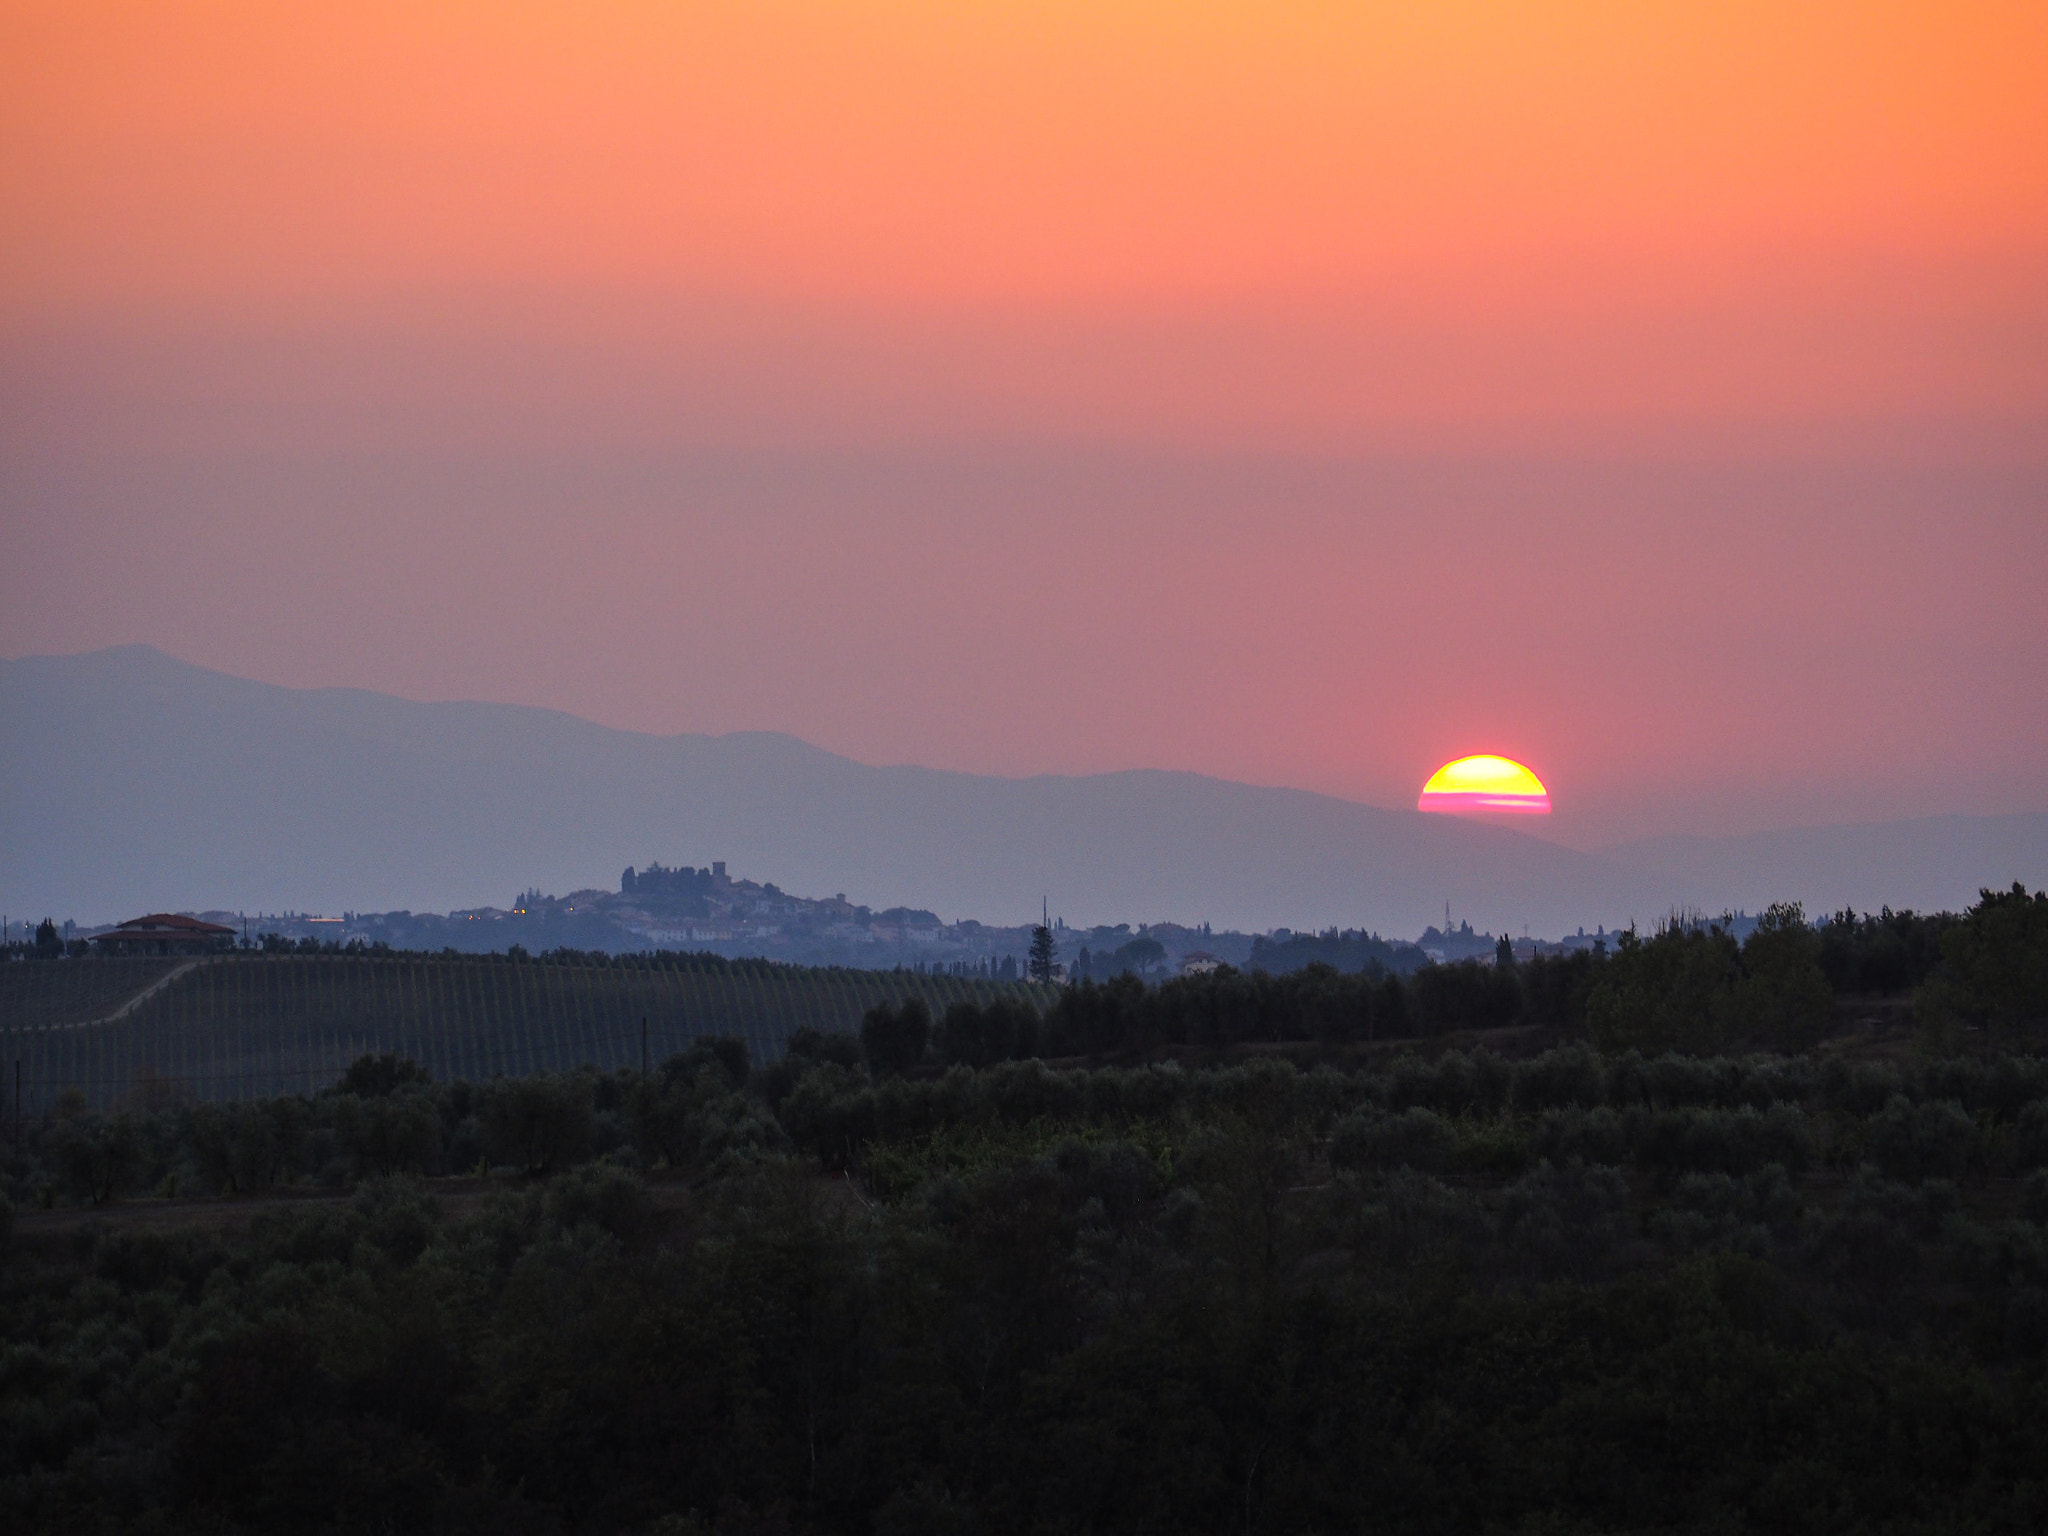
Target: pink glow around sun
<point>1485,784</point>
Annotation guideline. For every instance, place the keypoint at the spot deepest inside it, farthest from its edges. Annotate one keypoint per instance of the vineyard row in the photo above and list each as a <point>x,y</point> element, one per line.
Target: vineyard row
<point>251,1026</point>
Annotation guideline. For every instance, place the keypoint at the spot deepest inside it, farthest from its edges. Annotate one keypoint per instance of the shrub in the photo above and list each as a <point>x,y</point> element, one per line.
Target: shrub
<point>806,1048</point>
<point>2030,1137</point>
<point>98,1156</point>
<point>1493,1144</point>
<point>1714,1210</point>
<point>894,1039</point>
<point>1261,1091</point>
<point>2003,1085</point>
<point>830,1114</point>
<point>1465,996</point>
<point>725,1055</point>
<point>694,1109</point>
<point>1022,1091</point>
<point>1862,1089</point>
<point>1673,991</point>
<point>2034,1197</point>
<point>1453,1084</point>
<point>812,1045</point>
<point>398,1216</point>
<point>972,1035</point>
<point>138,1260</point>
<point>400,1133</point>
<point>1587,1135</point>
<point>1997,961</point>
<point>1766,1196</point>
<point>1871,1242</point>
<point>732,1124</point>
<point>1407,1219</point>
<point>537,1124</point>
<point>1558,1078</point>
<point>1670,1081</point>
<point>1565,1220</point>
<point>602,1195</point>
<point>1416,1138</point>
<point>661,1115</point>
<point>1730,1141</point>
<point>1910,1142</point>
<point>966,1039</point>
<point>1784,997</point>
<point>247,1146</point>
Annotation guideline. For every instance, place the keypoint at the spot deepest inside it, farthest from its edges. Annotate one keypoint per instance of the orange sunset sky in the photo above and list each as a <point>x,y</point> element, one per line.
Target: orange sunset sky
<point>1309,394</point>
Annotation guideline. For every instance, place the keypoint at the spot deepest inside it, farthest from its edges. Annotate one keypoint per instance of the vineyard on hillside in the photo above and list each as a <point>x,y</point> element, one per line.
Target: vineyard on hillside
<point>243,1026</point>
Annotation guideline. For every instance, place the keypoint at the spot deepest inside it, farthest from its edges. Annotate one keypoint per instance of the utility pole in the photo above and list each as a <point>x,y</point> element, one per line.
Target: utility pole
<point>643,1045</point>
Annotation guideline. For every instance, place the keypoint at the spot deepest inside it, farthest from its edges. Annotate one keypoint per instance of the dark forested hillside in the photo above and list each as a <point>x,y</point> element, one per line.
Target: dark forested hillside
<point>1576,1292</point>
<point>914,1277</point>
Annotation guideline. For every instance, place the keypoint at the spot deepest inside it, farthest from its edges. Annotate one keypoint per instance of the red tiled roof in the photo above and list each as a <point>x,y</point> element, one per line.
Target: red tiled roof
<point>167,923</point>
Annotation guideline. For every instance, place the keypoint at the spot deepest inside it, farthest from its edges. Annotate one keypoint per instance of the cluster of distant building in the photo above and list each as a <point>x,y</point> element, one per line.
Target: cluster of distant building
<point>1448,944</point>
<point>708,909</point>
<point>159,933</point>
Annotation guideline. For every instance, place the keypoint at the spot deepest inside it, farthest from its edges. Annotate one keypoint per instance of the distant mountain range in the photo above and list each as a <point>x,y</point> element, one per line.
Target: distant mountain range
<point>133,782</point>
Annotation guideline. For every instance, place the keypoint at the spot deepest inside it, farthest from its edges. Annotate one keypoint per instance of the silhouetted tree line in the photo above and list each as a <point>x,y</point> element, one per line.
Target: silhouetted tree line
<point>1688,986</point>
<point>1581,1291</point>
<point>1340,949</point>
<point>1343,950</point>
<point>45,941</point>
<point>383,1118</point>
<point>1141,956</point>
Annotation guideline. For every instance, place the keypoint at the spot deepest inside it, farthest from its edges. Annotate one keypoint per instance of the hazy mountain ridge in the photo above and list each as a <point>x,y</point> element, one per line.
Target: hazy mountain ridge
<point>132,781</point>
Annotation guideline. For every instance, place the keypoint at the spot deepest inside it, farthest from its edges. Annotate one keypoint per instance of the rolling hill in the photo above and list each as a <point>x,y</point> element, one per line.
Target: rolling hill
<point>242,1026</point>
<point>130,782</point>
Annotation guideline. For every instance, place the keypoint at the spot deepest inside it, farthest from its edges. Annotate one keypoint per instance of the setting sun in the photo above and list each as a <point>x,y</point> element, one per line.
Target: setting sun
<point>1485,783</point>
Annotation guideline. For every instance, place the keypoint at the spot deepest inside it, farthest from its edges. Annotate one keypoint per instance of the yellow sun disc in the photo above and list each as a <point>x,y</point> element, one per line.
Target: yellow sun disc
<point>1485,783</point>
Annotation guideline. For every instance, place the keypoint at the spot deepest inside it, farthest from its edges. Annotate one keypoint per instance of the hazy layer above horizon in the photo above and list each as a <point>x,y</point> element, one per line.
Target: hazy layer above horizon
<point>130,781</point>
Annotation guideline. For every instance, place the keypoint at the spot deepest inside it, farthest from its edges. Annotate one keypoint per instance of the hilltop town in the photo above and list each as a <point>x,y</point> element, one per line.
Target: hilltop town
<point>707,910</point>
